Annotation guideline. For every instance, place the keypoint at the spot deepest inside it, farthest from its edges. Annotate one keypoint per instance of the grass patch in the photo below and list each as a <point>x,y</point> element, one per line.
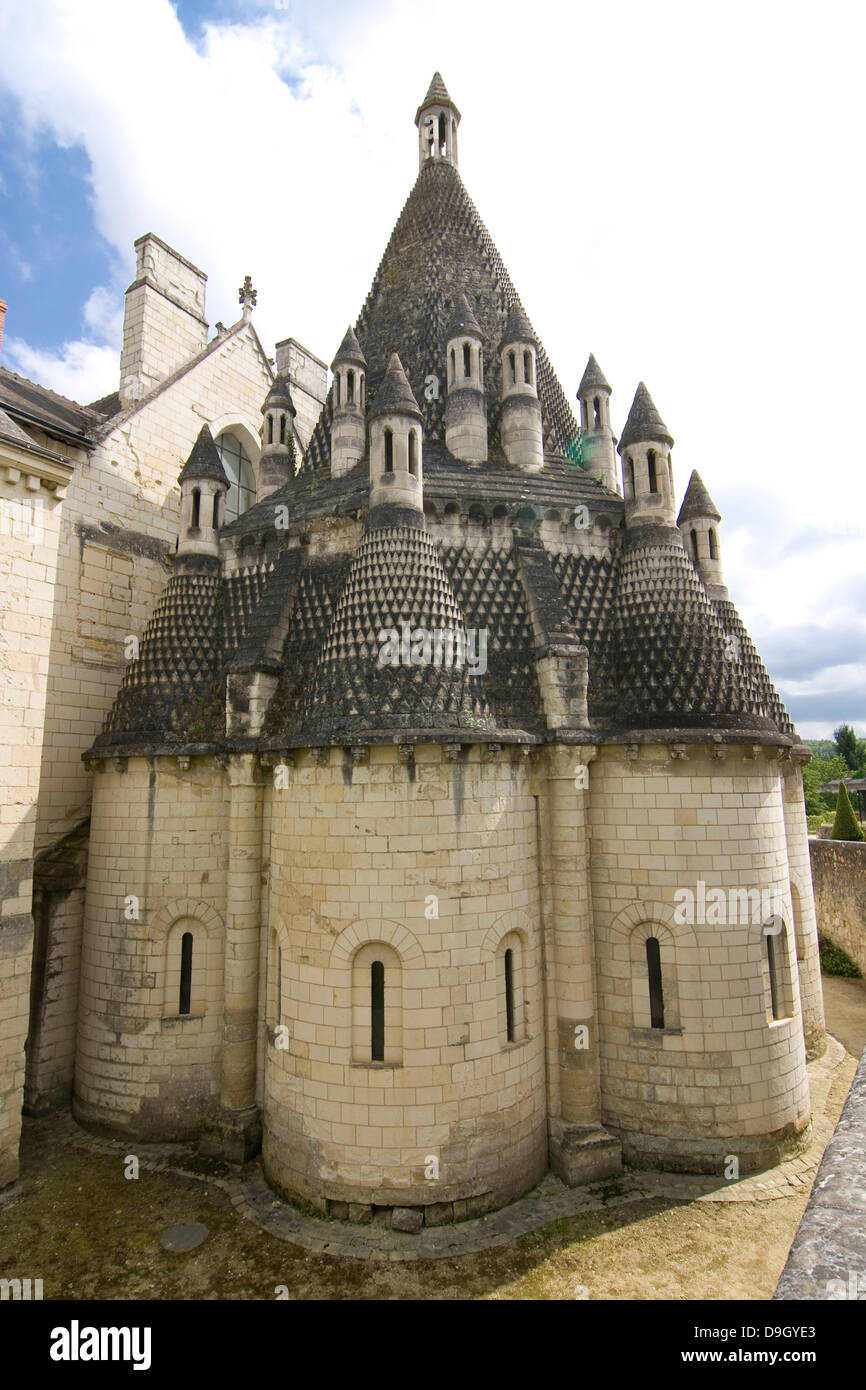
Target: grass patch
<point>835,961</point>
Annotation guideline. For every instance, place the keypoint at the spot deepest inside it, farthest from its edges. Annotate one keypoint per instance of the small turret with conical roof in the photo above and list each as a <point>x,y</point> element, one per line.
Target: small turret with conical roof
<point>698,520</point>
<point>277,464</point>
<point>598,440</point>
<point>396,480</point>
<point>203,487</point>
<point>648,479</point>
<point>466,406</point>
<point>348,404</point>
<point>437,119</point>
<point>520,428</point>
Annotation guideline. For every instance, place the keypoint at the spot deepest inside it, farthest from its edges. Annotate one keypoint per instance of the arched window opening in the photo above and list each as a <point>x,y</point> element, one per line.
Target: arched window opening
<point>651,470</point>
<point>596,406</point>
<point>361,389</point>
<point>350,387</point>
<point>714,552</point>
<point>512,362</point>
<point>630,476</point>
<point>773,966</point>
<point>337,389</point>
<point>389,451</point>
<point>654,972</point>
<point>527,367</point>
<point>694,540</point>
<point>377,1011</point>
<point>443,135</point>
<point>196,506</point>
<point>509,995</point>
<point>282,429</point>
<point>216,511</point>
<point>671,472</point>
<point>270,428</point>
<point>185,993</point>
<point>453,365</point>
<point>279,991</point>
<point>467,360</point>
<point>413,453</point>
<point>239,471</point>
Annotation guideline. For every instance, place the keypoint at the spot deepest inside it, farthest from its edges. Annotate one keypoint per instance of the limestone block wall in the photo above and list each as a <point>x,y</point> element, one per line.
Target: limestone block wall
<point>722,1076</point>
<point>839,878</point>
<point>360,853</point>
<point>158,837</point>
<point>120,525</point>
<point>29,529</point>
<point>803,907</point>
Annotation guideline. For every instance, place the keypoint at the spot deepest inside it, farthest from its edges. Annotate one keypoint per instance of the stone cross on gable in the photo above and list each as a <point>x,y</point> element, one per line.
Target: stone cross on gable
<point>247,297</point>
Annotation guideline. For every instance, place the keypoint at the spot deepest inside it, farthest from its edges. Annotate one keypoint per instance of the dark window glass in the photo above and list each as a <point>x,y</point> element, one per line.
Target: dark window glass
<point>654,970</point>
<point>185,972</point>
<point>377,1011</point>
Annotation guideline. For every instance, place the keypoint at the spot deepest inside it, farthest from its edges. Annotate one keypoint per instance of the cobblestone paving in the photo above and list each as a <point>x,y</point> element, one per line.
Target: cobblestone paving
<point>549,1201</point>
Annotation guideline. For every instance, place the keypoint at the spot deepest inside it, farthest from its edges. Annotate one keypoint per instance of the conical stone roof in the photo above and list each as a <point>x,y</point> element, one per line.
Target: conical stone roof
<point>395,393</point>
<point>437,95</point>
<point>440,249</point>
<point>279,395</point>
<point>204,460</point>
<point>644,424</point>
<point>593,378</point>
<point>518,329</point>
<point>396,584</point>
<point>349,350</point>
<point>697,502</point>
<point>463,320</point>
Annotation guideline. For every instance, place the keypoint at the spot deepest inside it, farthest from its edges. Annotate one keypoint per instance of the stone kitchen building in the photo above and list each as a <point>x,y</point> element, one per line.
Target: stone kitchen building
<point>446,825</point>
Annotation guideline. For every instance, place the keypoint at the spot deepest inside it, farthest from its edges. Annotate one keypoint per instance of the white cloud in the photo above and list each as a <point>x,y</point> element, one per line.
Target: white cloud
<point>81,371</point>
<point>672,186</point>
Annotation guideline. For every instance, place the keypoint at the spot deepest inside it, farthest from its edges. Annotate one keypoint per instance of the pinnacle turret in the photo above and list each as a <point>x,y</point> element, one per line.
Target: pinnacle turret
<point>644,424</point>
<point>697,502</point>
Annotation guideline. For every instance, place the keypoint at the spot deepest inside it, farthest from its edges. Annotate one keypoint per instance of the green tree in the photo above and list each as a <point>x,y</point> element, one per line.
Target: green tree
<point>850,747</point>
<point>816,774</point>
<point>845,825</point>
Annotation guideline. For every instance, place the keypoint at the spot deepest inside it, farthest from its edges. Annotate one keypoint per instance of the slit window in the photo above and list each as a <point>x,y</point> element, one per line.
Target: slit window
<point>527,367</point>
<point>216,510</point>
<point>651,470</point>
<point>377,1011</point>
<point>196,507</point>
<point>443,134</point>
<point>596,405</point>
<point>350,388</point>
<point>413,453</point>
<point>654,973</point>
<point>279,984</point>
<point>389,451</point>
<point>270,429</point>
<point>694,545</point>
<point>630,467</point>
<point>282,429</point>
<point>714,554</point>
<point>512,362</point>
<point>467,360</point>
<point>774,980</point>
<point>337,389</point>
<point>509,995</point>
<point>453,365</point>
<point>185,973</point>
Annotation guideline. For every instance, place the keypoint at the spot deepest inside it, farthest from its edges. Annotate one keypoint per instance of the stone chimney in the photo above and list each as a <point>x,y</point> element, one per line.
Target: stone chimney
<point>163,322</point>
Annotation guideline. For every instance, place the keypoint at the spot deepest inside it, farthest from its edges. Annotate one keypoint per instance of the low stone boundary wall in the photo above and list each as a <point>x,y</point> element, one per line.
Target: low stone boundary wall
<point>828,1257</point>
<point>839,882</point>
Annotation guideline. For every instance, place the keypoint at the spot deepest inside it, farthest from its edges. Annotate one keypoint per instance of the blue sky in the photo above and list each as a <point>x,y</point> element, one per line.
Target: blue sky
<point>674,187</point>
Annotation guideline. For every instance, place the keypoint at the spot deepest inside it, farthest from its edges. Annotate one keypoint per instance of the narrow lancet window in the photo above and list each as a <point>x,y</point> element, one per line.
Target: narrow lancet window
<point>714,554</point>
<point>185,973</point>
<point>350,388</point>
<point>651,470</point>
<point>596,405</point>
<point>389,451</point>
<point>527,367</point>
<point>509,995</point>
<point>413,453</point>
<point>196,507</point>
<point>377,1011</point>
<point>282,429</point>
<point>694,536</point>
<point>216,511</point>
<point>467,360</point>
<point>774,978</point>
<point>654,972</point>
<point>512,362</point>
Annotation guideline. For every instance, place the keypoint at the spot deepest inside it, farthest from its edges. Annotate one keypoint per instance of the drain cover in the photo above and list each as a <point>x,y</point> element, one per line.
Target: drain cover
<point>185,1237</point>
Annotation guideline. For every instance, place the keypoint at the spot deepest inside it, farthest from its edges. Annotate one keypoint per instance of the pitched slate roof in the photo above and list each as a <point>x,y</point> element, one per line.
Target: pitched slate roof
<point>31,403</point>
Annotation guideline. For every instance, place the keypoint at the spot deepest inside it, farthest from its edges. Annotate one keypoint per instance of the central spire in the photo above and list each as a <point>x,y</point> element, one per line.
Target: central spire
<point>437,119</point>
